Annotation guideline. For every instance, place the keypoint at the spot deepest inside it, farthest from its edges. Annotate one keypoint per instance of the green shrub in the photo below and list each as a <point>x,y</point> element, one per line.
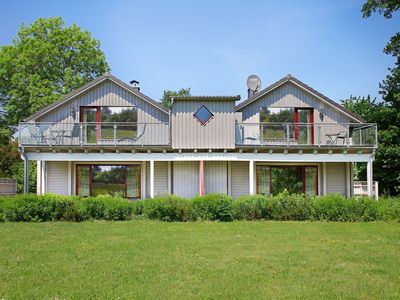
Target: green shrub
<point>104,207</point>
<point>167,208</point>
<point>212,207</point>
<point>389,209</point>
<point>251,208</point>
<point>335,207</point>
<point>289,207</point>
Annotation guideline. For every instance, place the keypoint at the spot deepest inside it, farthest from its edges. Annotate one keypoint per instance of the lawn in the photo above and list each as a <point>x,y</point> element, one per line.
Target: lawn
<point>150,259</point>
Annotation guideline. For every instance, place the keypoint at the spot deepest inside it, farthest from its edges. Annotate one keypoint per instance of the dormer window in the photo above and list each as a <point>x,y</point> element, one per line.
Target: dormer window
<point>203,115</point>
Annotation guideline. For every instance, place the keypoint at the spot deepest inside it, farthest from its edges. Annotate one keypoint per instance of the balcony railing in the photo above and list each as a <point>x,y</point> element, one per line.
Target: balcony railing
<point>92,134</point>
<point>296,134</point>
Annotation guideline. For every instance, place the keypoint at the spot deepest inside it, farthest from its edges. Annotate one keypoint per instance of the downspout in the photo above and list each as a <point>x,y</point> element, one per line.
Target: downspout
<point>26,170</point>
<point>170,121</point>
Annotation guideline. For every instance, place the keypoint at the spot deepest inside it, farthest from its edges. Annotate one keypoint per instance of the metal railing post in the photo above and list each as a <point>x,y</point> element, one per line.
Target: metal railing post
<point>287,135</point>
<point>115,134</point>
<point>81,134</point>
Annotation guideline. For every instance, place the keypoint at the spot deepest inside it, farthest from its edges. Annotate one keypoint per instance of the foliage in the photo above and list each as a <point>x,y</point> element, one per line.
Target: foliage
<point>168,208</point>
<point>385,113</point>
<point>45,61</point>
<point>251,208</point>
<point>385,7</point>
<point>166,97</point>
<point>212,207</point>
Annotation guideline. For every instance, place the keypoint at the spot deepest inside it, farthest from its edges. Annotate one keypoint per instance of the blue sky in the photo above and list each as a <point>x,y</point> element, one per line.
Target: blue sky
<point>212,46</point>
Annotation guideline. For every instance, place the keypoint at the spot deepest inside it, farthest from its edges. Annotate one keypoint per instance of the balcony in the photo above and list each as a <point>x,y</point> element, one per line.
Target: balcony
<point>61,134</point>
<point>301,134</point>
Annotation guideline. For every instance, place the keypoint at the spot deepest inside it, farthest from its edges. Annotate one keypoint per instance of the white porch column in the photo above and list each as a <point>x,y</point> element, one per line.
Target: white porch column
<point>324,178</point>
<point>151,178</point>
<point>39,177</point>
<point>369,177</point>
<point>251,177</point>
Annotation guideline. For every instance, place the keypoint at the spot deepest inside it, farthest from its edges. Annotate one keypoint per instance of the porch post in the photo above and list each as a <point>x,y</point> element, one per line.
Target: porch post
<point>26,175</point>
<point>201,177</point>
<point>251,177</point>
<point>151,178</point>
<point>369,177</point>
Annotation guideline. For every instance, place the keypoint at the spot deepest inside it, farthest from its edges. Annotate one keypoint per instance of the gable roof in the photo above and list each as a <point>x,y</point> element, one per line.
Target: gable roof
<point>77,92</point>
<point>307,88</point>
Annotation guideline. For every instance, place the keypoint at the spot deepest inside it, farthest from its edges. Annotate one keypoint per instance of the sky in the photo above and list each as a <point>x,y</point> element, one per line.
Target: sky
<point>212,46</point>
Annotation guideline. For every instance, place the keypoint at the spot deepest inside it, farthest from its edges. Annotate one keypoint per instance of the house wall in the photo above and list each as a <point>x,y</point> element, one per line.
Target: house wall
<point>108,93</point>
<point>290,95</point>
<point>188,133</point>
<point>57,177</point>
<point>336,178</point>
<point>239,178</point>
<point>216,177</point>
<point>186,178</point>
<point>160,178</point>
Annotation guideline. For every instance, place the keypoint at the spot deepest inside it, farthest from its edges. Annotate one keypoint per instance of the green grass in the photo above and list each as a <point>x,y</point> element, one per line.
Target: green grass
<point>149,259</point>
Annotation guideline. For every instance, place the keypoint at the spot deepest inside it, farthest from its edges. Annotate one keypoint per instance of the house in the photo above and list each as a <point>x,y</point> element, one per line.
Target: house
<point>109,138</point>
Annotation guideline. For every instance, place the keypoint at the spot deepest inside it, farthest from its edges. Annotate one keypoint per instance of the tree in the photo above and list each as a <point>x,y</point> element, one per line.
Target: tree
<point>385,113</point>
<point>46,61</point>
<point>166,97</point>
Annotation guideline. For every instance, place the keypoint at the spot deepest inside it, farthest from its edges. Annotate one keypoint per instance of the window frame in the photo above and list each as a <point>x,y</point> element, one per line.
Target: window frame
<point>303,171</point>
<point>90,165</point>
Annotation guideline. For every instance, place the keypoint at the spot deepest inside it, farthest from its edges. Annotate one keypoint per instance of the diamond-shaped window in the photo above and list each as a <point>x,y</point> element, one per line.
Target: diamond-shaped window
<point>203,115</point>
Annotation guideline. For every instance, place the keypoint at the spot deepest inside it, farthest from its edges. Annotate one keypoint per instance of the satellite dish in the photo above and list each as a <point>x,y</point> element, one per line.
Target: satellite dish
<point>254,83</point>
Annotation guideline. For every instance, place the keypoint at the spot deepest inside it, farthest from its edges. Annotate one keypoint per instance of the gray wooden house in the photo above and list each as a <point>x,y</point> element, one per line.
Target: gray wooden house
<point>109,138</point>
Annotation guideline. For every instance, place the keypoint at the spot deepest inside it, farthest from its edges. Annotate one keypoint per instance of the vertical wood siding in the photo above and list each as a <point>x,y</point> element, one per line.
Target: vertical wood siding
<point>160,178</point>
<point>240,178</point>
<point>290,95</point>
<point>218,133</point>
<point>216,177</point>
<point>108,93</point>
<point>57,177</point>
<point>336,178</point>
<point>186,178</point>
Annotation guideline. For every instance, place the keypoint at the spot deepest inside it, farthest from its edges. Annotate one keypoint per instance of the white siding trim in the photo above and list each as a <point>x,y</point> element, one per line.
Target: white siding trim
<point>233,156</point>
<point>69,178</point>
<point>229,178</point>
<point>324,178</point>
<point>151,178</point>
<point>348,181</point>
<point>143,180</point>
<point>251,177</point>
<point>39,177</point>
<point>169,178</point>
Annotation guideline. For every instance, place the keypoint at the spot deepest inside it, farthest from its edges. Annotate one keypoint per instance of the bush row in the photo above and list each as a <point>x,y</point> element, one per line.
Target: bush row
<point>214,207</point>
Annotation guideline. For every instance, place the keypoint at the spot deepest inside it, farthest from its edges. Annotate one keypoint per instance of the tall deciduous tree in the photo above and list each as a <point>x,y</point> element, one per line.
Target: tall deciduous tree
<point>166,97</point>
<point>387,112</point>
<point>45,61</point>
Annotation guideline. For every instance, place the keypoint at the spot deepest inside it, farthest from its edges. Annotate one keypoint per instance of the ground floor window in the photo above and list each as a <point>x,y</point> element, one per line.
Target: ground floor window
<point>294,179</point>
<point>117,180</point>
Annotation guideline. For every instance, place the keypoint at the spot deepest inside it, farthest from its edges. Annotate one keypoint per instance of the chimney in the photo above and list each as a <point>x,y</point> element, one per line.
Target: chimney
<point>135,85</point>
<point>250,93</point>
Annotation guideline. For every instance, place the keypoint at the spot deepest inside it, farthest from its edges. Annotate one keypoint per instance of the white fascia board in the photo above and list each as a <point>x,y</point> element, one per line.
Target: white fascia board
<point>126,157</point>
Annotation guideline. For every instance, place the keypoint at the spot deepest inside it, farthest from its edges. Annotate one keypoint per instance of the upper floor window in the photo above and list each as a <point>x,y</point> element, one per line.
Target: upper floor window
<point>108,114</point>
<point>277,115</point>
<point>203,115</point>
<point>104,124</point>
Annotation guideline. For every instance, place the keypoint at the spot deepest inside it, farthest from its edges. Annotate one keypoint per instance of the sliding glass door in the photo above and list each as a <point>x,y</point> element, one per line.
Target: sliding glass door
<point>293,179</point>
<point>304,125</point>
<point>116,180</point>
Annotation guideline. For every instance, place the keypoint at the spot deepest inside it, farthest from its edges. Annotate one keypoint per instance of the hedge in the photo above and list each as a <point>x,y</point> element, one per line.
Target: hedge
<point>213,207</point>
